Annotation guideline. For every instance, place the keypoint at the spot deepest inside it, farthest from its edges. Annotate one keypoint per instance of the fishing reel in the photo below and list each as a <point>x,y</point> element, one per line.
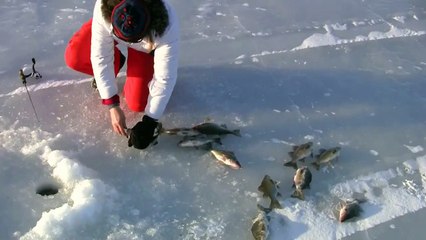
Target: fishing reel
<point>33,74</point>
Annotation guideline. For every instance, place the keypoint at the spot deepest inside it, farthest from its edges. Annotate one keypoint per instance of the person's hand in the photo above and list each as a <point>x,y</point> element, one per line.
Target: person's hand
<point>143,133</point>
<point>118,121</point>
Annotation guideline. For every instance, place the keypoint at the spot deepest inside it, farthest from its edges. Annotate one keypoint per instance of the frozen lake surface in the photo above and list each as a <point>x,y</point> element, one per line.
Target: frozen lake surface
<point>347,73</point>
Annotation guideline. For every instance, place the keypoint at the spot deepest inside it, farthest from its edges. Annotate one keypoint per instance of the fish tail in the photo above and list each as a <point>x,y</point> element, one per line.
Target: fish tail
<point>275,204</point>
<point>236,132</point>
<point>291,163</point>
<point>207,146</point>
<point>298,194</point>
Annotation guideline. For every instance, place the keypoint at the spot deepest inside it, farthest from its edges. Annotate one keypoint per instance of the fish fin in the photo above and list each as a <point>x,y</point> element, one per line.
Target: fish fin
<point>185,138</point>
<point>279,194</point>
<point>275,204</point>
<point>238,163</point>
<point>276,183</point>
<point>236,132</point>
<point>316,165</point>
<point>298,194</point>
<point>224,126</point>
<point>321,151</point>
<point>291,154</point>
<point>302,160</point>
<point>294,147</point>
<point>291,163</point>
<point>218,141</point>
<point>261,189</point>
<point>264,209</point>
<point>232,154</point>
<point>294,185</point>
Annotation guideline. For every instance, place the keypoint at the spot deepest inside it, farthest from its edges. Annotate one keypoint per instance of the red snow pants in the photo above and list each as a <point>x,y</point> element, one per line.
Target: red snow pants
<point>140,66</point>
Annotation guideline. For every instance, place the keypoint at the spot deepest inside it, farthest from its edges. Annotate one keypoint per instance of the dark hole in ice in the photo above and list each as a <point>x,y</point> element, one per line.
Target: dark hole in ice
<point>47,189</point>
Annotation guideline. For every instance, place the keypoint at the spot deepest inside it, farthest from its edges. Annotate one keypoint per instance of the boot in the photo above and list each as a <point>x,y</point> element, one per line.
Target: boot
<point>122,62</point>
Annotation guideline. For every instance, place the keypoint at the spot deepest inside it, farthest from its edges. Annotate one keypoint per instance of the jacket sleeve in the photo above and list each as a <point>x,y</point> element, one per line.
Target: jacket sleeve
<point>102,55</point>
<point>165,71</point>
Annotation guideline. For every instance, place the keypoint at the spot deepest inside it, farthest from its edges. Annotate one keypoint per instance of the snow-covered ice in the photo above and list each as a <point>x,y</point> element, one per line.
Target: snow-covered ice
<point>346,73</point>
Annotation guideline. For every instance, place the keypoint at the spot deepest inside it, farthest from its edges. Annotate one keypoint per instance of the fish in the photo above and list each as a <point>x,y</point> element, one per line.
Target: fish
<point>227,158</point>
<point>349,209</point>
<point>260,226</point>
<point>269,188</point>
<point>210,128</point>
<point>185,132</point>
<point>300,152</point>
<point>301,180</point>
<point>326,156</point>
<point>199,141</point>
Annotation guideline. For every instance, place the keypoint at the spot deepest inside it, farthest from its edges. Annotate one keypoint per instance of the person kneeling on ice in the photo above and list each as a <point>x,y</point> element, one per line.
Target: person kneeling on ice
<point>149,29</point>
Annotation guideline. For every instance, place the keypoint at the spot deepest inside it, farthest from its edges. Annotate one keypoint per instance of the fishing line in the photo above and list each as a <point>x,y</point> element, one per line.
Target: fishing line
<point>33,74</point>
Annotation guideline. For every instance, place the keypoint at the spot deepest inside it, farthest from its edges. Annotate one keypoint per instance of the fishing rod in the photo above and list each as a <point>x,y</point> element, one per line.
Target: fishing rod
<point>33,74</point>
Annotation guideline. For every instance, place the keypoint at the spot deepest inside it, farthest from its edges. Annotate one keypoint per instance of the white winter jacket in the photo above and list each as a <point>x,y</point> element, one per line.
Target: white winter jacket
<point>165,60</point>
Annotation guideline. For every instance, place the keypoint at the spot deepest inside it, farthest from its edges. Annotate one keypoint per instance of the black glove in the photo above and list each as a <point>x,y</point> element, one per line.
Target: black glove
<point>143,133</point>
